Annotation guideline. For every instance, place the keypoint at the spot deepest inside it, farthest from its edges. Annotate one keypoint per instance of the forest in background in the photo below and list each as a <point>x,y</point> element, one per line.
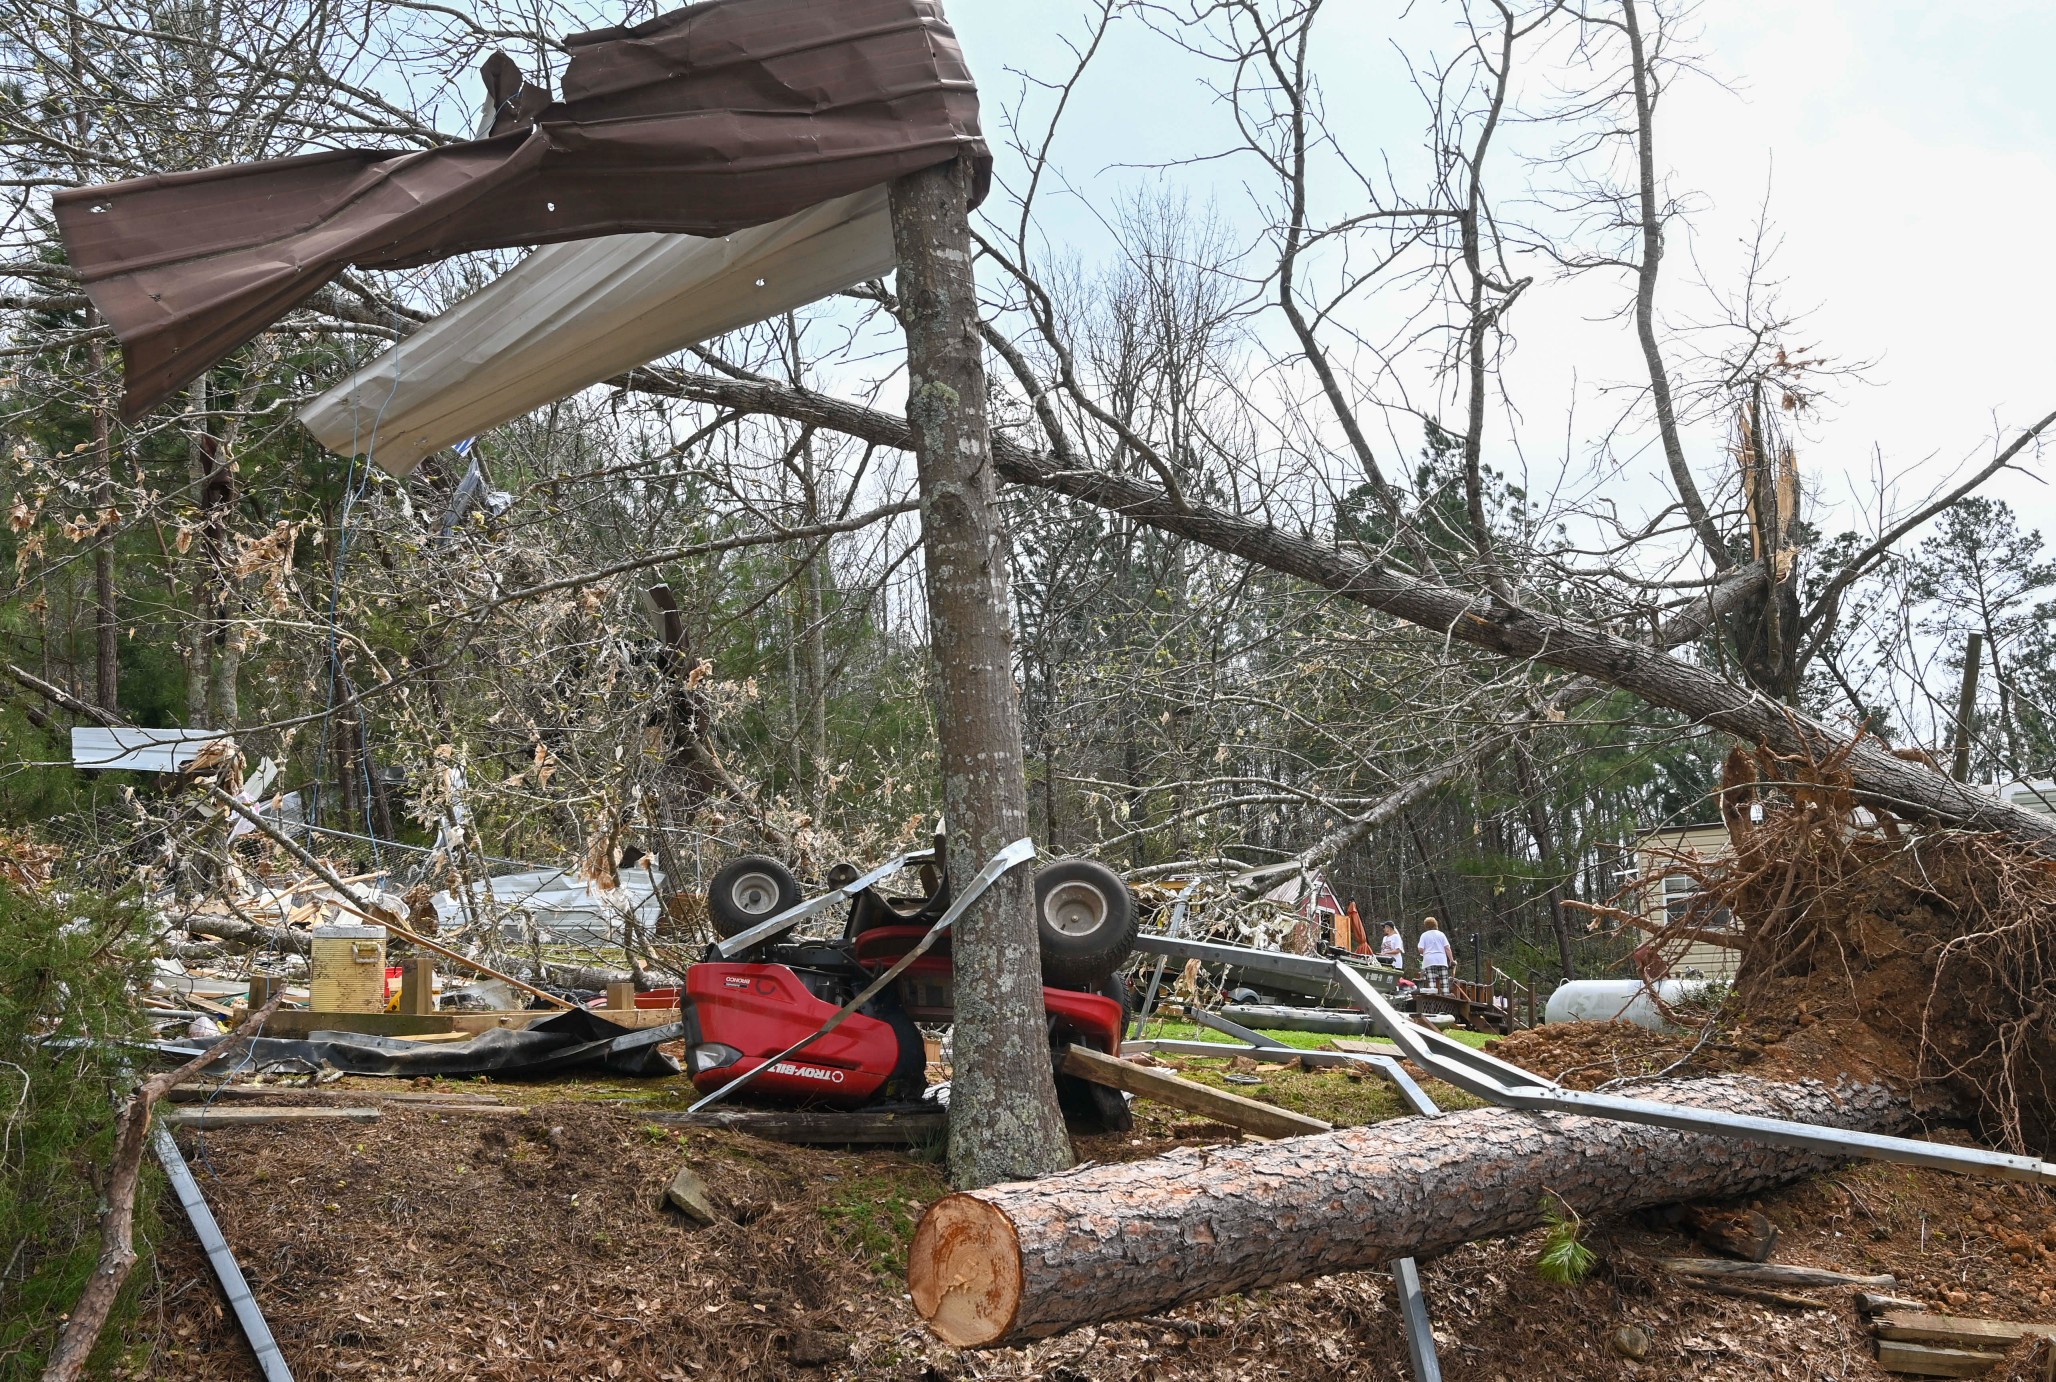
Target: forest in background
<point>213,567</point>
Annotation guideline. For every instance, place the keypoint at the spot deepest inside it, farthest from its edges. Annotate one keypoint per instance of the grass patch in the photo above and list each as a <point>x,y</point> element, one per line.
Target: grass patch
<point>874,1213</point>
<point>1326,1094</point>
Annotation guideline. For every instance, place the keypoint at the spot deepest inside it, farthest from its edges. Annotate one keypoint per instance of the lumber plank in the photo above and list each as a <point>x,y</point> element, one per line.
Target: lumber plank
<point>1762,1293</point>
<point>828,1127</point>
<point>1250,1115</point>
<point>1923,1360</point>
<point>215,1118</point>
<point>1768,1273</point>
<point>1919,1327</point>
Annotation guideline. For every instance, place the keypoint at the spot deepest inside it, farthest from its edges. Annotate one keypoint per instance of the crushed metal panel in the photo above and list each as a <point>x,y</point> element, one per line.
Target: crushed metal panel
<point>137,750</point>
<point>571,315</point>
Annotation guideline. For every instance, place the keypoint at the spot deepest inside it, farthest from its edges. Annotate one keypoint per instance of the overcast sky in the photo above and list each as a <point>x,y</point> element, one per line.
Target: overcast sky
<point>1906,149</point>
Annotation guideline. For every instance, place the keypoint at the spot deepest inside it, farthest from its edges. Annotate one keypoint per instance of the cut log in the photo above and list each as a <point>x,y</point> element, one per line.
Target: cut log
<point>1023,1261</point>
<point>1921,1360</point>
<point>1769,1273</point>
<point>1764,1294</point>
<point>1250,1115</point>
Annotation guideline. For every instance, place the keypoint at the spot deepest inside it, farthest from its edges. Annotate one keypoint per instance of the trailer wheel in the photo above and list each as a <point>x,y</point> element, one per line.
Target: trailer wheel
<point>748,890</point>
<point>1085,920</point>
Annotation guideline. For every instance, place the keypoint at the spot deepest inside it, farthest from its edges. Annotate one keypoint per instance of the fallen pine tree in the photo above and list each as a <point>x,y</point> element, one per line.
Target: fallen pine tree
<point>1021,1261</point>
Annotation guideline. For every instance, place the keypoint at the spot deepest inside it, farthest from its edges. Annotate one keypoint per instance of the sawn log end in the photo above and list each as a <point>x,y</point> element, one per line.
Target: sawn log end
<point>964,1271</point>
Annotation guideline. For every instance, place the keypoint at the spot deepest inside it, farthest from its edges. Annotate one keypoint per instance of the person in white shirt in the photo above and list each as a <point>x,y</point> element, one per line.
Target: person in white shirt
<point>1392,948</point>
<point>1435,956</point>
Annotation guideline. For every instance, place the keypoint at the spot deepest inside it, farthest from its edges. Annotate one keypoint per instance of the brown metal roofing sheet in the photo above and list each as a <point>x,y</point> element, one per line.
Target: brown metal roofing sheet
<point>703,121</point>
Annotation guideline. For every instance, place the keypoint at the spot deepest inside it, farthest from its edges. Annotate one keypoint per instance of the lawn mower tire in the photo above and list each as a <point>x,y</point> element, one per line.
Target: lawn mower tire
<point>1085,921</point>
<point>748,890</point>
<point>1093,1108</point>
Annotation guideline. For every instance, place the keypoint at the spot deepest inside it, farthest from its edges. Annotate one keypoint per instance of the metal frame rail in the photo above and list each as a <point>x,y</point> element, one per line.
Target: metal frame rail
<point>270,1361</point>
<point>1509,1086</point>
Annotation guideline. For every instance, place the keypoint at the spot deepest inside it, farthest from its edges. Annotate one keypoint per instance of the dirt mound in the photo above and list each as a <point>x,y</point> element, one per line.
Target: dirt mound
<point>1584,1055</point>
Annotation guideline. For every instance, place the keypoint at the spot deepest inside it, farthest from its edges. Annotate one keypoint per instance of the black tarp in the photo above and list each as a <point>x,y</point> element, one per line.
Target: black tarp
<point>564,1042</point>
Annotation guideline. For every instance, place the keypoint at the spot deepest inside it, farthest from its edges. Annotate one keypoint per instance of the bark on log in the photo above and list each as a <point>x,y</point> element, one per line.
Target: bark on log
<point>1021,1261</point>
<point>1899,785</point>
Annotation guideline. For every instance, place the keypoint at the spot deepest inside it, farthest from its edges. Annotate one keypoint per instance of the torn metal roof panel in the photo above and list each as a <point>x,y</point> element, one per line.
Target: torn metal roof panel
<point>572,315</point>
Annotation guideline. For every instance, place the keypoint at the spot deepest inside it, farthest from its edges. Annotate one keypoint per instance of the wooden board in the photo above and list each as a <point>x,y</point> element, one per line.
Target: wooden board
<point>1363,1047</point>
<point>216,1118</point>
<point>1918,1327</point>
<point>894,1127</point>
<point>1923,1360</point>
<point>1250,1115</point>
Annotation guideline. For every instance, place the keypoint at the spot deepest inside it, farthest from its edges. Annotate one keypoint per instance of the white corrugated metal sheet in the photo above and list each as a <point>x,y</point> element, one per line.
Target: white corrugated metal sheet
<point>563,906</point>
<point>138,750</point>
<point>571,315</point>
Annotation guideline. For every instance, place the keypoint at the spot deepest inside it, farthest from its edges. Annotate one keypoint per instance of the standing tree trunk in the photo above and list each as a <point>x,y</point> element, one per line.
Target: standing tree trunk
<point>1107,1242</point>
<point>1004,1121</point>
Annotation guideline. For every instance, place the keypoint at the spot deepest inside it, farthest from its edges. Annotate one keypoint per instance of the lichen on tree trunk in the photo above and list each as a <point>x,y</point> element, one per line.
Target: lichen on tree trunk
<point>1004,1121</point>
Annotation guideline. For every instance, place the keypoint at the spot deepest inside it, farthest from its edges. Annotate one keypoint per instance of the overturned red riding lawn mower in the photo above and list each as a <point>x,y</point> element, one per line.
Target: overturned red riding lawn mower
<point>759,994</point>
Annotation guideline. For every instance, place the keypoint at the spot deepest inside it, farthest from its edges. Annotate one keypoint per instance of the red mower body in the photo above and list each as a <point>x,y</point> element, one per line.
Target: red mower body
<point>738,1016</point>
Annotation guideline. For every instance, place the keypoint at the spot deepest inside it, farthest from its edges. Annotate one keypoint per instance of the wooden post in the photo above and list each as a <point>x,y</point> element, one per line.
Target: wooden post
<point>620,995</point>
<point>263,988</point>
<point>1532,977</point>
<point>417,986</point>
<point>1004,1121</point>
